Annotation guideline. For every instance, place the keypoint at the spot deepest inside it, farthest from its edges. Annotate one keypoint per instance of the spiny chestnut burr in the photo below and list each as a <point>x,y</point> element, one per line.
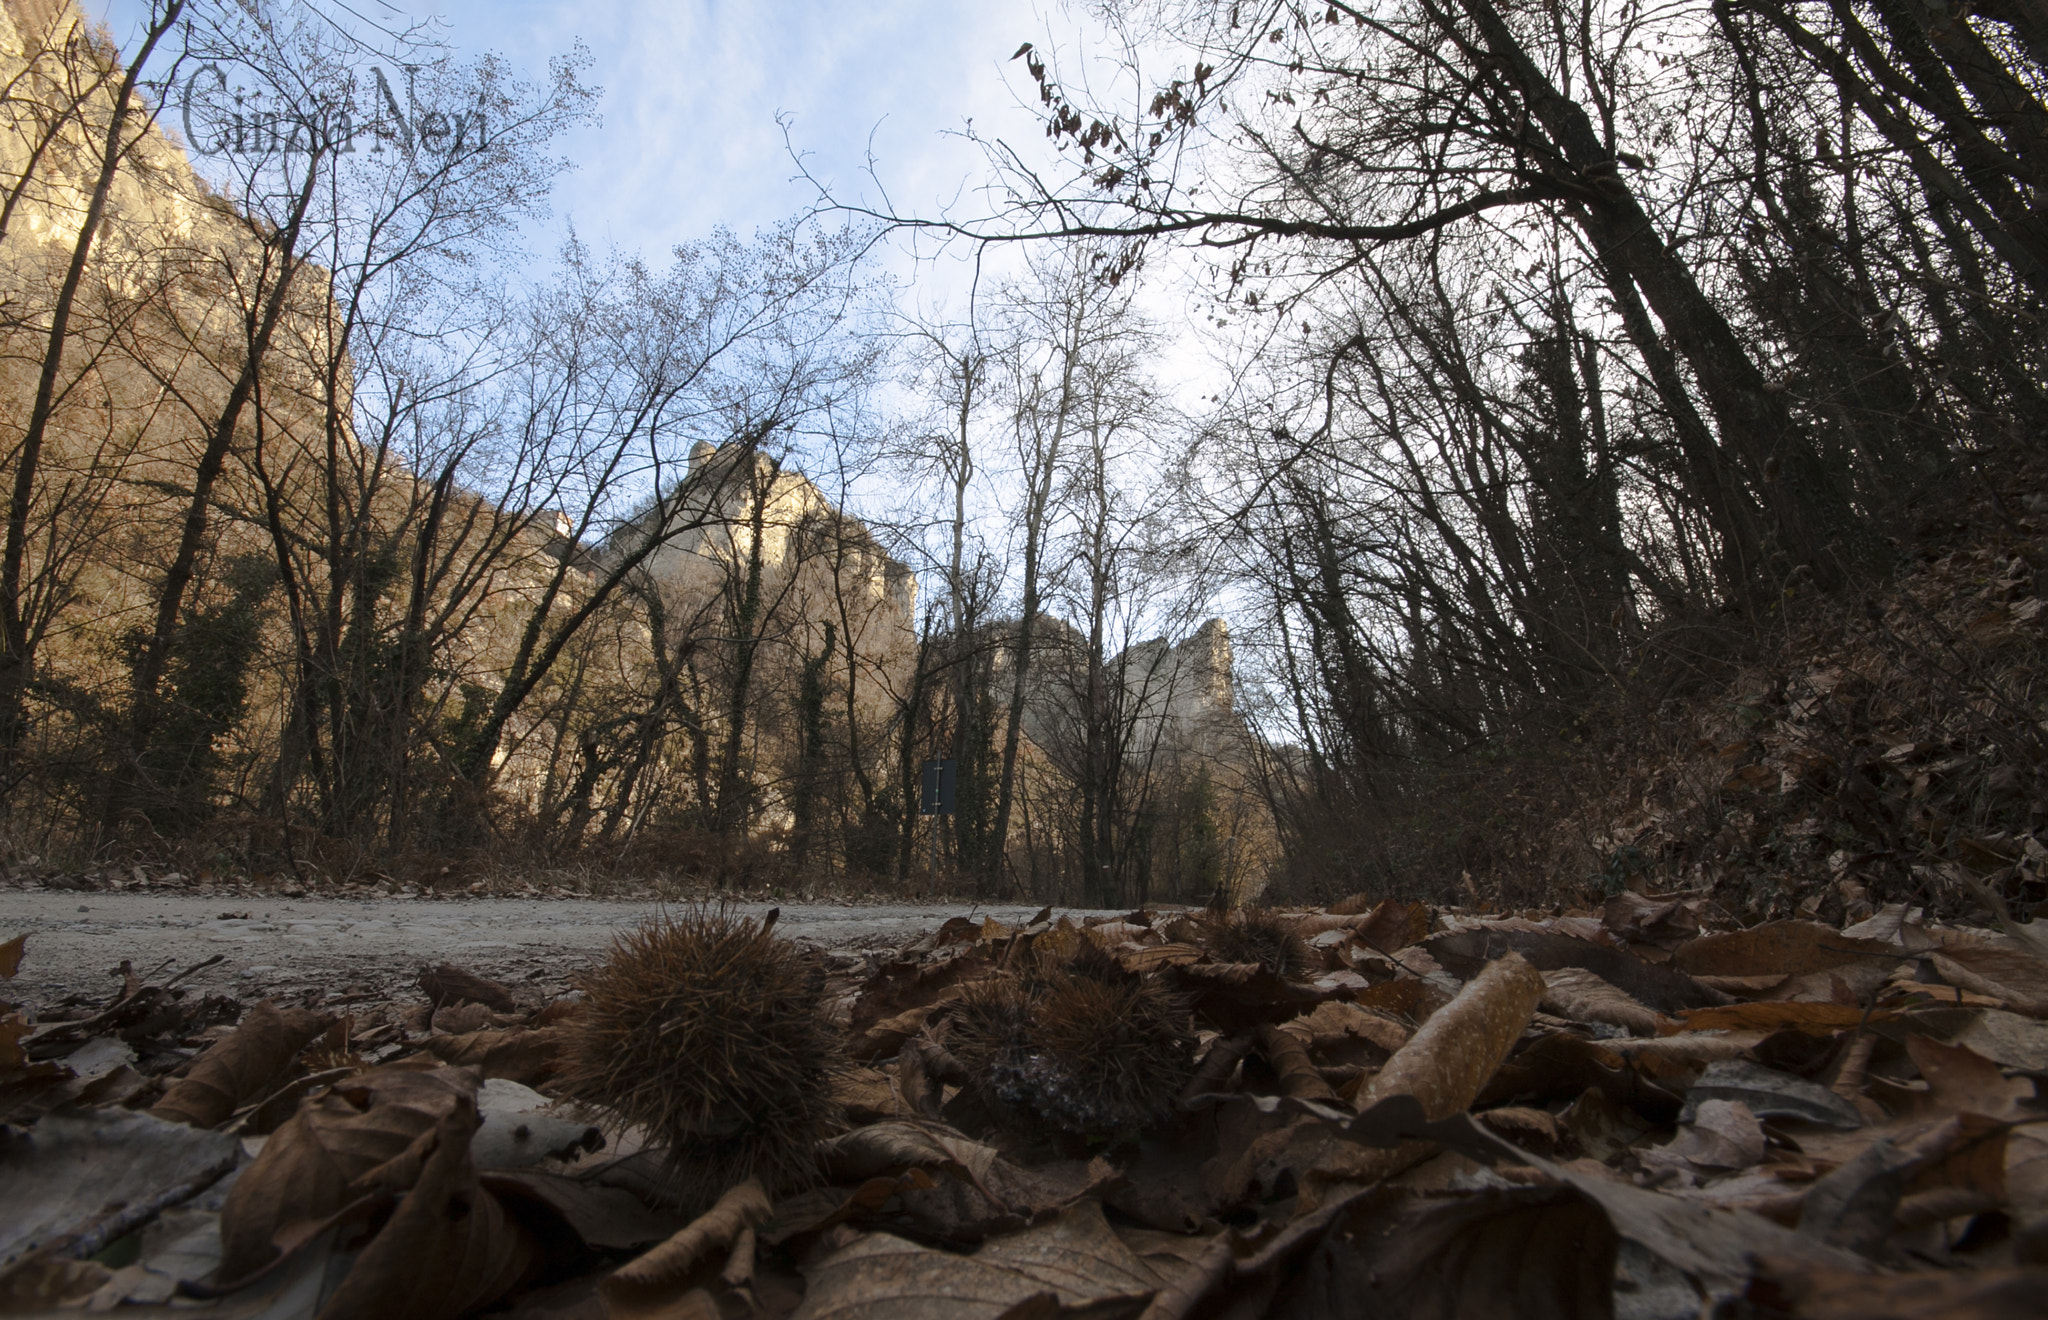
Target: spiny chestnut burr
<point>709,1033</point>
<point>1083,1046</point>
<point>1257,935</point>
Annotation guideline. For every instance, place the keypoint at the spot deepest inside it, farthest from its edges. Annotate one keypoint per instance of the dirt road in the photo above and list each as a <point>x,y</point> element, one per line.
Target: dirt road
<point>283,946</point>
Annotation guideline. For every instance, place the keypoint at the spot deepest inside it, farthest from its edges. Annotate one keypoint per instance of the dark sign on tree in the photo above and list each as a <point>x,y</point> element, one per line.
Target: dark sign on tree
<point>940,779</point>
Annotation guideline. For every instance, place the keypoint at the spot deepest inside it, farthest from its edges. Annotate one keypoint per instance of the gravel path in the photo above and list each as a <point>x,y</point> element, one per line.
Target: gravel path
<point>373,947</point>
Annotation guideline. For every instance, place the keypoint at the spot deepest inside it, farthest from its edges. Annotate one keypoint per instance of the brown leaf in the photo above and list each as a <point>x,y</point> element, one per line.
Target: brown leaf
<point>1531,1128</point>
<point>881,1275</point>
<point>449,984</point>
<point>1072,1259</point>
<point>1296,1072</point>
<point>449,1248</point>
<point>1006,1199</point>
<point>319,1160</point>
<point>1853,1206</point>
<point>1665,923</point>
<point>1394,926</point>
<point>809,1213</point>
<point>886,1037</point>
<point>1777,948</point>
<point>868,1096</point>
<point>1965,1152</point>
<point>1962,1081</point>
<point>1998,966</point>
<point>527,1055</point>
<point>1338,1026</point>
<point>461,1019</point>
<point>1409,997</point>
<point>1576,993</point>
<point>1443,1066</point>
<point>1600,1127</point>
<point>1156,956</point>
<point>900,986</point>
<point>1714,1247</point>
<point>2008,1039</point>
<point>1777,1015</point>
<point>1723,1134</point>
<point>1076,1257</point>
<point>648,1287</point>
<point>1562,1064</point>
<point>12,1028</point>
<point>1453,1055</point>
<point>1794,1288</point>
<point>242,1066</point>
<point>606,1218</point>
<point>1665,989</point>
<point>47,1283</point>
<point>1742,986</point>
<point>1238,996</point>
<point>891,1148</point>
<point>1532,1253</point>
<point>10,956</point>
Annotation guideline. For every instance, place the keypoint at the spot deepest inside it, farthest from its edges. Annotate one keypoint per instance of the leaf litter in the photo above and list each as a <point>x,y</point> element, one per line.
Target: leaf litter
<point>1372,1108</point>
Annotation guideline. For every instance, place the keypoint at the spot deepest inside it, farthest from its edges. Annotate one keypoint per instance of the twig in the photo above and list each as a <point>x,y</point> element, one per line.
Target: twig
<point>196,967</point>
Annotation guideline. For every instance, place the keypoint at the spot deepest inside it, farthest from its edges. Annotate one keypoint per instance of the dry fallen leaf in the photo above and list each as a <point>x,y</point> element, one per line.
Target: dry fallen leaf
<point>1793,1288</point>
<point>1663,988</point>
<point>1533,1253</point>
<point>1072,1260</point>
<point>1076,1257</point>
<point>1775,1015</point>
<point>1576,993</point>
<point>1454,1054</point>
<point>241,1067</point>
<point>447,1250</point>
<point>1768,1093</point>
<point>1722,1134</point>
<point>529,1056</point>
<point>448,984</point>
<point>331,1151</point>
<point>1962,1081</point>
<point>1296,1072</point>
<point>891,1148</point>
<point>1995,965</point>
<point>87,1179</point>
<point>651,1286</point>
<point>884,1276</point>
<point>1779,949</point>
<point>1443,1066</point>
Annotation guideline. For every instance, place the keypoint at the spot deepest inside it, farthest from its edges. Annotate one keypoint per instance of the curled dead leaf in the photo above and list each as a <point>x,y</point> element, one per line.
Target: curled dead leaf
<point>1073,1260</point>
<point>448,1249</point>
<point>242,1066</point>
<point>448,984</point>
<point>339,1144</point>
<point>1453,1055</point>
<point>527,1055</point>
<point>1998,966</point>
<point>1576,993</point>
<point>650,1286</point>
<point>1778,948</point>
<point>1296,1071</point>
<point>891,1148</point>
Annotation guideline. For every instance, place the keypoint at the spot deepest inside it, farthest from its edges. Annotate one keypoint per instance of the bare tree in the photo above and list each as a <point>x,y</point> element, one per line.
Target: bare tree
<point>30,594</point>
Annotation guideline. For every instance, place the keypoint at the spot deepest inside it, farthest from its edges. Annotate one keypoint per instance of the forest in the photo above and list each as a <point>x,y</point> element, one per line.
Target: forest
<point>1395,671</point>
<point>1620,451</point>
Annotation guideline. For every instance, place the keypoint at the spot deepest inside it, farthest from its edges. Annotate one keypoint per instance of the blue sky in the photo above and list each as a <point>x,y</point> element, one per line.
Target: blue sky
<point>689,138</point>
